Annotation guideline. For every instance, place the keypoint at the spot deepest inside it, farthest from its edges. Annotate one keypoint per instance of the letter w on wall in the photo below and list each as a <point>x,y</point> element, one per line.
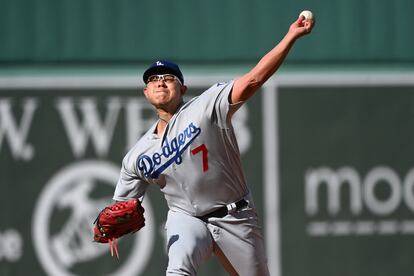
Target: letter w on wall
<point>88,126</point>
<point>14,133</point>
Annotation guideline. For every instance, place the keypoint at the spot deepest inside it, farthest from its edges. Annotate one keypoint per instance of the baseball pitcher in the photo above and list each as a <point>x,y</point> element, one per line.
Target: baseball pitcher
<point>191,154</point>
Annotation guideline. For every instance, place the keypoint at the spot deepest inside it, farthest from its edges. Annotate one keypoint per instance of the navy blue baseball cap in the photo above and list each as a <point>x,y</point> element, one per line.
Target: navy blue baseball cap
<point>163,67</point>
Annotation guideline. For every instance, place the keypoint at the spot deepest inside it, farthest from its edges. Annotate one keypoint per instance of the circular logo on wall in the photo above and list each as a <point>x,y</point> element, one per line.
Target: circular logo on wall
<point>62,227</point>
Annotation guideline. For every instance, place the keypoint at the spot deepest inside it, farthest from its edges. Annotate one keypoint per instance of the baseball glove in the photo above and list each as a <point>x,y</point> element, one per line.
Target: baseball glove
<point>117,220</point>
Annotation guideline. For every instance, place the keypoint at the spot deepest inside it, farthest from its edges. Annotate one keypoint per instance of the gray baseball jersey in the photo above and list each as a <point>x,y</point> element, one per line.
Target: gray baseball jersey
<point>196,163</point>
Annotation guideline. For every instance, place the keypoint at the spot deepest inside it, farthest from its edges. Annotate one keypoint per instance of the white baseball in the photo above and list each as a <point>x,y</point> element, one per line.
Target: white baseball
<point>307,14</point>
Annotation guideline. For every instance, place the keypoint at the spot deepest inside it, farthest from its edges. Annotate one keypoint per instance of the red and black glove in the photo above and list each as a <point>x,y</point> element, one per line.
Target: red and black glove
<point>117,220</point>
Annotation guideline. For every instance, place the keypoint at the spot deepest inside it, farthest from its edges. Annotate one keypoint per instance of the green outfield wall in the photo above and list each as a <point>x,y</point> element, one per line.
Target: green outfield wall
<point>327,144</point>
<point>328,158</point>
<point>63,32</point>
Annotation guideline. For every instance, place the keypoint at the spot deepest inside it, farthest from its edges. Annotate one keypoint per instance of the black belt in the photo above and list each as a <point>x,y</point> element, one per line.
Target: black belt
<point>224,211</point>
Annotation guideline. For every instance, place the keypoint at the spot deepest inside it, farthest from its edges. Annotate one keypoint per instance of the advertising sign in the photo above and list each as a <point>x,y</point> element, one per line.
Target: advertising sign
<point>347,180</point>
<point>60,156</point>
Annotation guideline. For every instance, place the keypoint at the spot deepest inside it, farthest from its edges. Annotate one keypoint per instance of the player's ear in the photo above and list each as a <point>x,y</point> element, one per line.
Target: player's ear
<point>183,89</point>
<point>145,90</point>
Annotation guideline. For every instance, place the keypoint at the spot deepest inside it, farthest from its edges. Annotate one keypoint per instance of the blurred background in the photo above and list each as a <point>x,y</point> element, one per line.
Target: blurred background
<point>327,143</point>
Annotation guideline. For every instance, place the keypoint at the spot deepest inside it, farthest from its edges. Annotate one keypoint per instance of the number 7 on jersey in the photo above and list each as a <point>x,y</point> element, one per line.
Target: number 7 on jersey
<point>203,149</point>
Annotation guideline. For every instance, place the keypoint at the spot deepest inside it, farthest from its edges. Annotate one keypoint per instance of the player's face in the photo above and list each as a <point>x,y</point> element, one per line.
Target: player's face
<point>164,91</point>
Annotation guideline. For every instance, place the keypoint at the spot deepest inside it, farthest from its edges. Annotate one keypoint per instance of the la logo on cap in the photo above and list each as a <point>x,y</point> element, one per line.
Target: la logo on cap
<point>159,63</point>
